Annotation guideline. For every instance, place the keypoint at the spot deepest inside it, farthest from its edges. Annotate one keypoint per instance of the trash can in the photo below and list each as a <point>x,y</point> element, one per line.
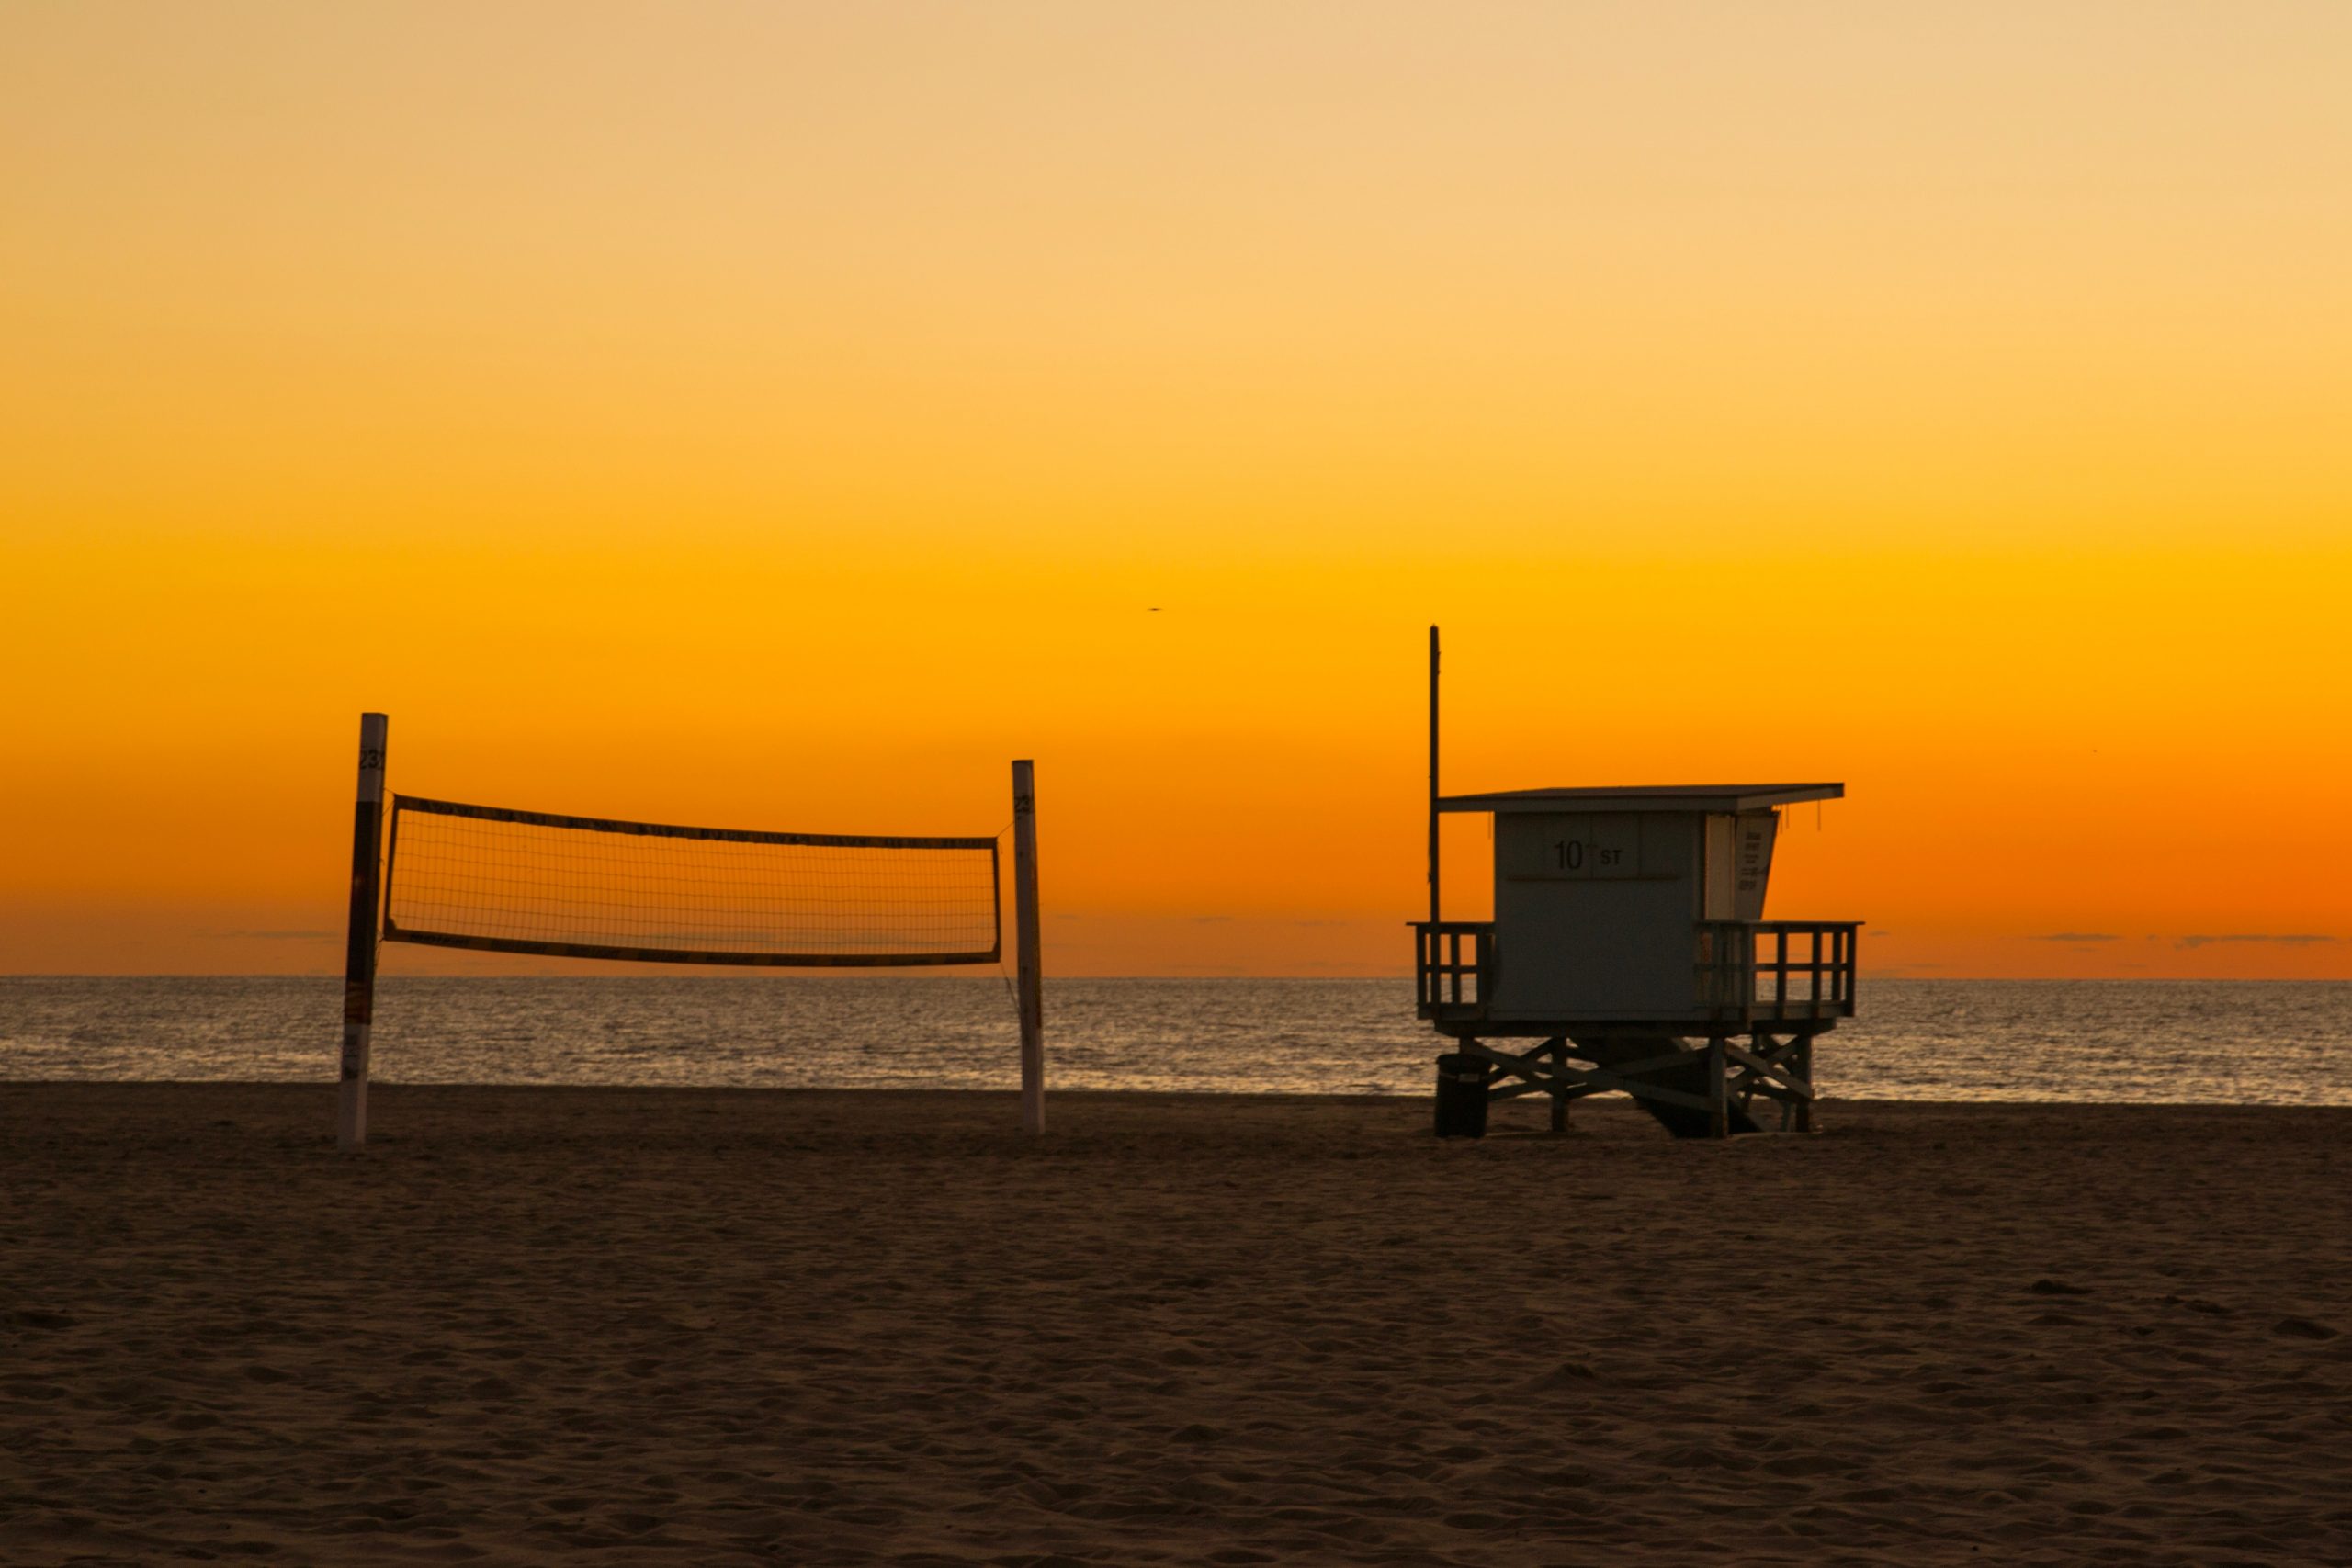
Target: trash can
<point>1461,1096</point>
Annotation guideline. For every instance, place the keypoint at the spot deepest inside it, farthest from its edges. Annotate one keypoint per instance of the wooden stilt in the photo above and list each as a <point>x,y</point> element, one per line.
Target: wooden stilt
<point>1558,1051</point>
<point>1761,1077</point>
<point>1803,1049</point>
<point>1718,1090</point>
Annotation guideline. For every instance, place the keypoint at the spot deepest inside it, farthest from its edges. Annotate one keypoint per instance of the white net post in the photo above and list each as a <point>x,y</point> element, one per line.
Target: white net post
<point>359,953</point>
<point>1032,993</point>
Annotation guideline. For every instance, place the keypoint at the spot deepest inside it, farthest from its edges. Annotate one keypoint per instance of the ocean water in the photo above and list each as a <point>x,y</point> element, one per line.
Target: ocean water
<point>2250,1042</point>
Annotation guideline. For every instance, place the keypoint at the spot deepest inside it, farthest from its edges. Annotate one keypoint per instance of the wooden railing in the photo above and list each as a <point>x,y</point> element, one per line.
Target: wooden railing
<point>1769,971</point>
<point>1452,965</point>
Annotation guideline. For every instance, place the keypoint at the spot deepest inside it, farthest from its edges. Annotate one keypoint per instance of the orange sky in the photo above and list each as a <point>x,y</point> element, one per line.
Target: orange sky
<point>782,416</point>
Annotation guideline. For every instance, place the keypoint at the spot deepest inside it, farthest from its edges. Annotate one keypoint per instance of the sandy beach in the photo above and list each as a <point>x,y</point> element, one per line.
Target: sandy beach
<point>719,1326</point>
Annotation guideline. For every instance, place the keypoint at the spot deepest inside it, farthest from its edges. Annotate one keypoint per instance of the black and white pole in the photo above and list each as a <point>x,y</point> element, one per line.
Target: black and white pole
<point>359,951</point>
<point>1031,988</point>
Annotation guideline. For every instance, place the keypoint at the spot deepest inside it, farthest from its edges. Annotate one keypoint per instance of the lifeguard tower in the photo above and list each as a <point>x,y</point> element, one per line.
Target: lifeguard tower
<point>1629,941</point>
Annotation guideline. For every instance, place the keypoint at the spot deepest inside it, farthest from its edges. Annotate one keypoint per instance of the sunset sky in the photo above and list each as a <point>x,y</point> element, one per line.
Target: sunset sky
<point>782,416</point>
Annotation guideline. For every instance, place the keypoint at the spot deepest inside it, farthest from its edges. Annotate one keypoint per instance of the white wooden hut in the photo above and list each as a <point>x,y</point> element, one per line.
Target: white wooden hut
<point>1629,940</point>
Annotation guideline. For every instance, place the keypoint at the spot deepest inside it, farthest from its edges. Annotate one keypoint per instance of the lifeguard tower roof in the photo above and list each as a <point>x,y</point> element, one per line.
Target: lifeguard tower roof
<point>1710,799</point>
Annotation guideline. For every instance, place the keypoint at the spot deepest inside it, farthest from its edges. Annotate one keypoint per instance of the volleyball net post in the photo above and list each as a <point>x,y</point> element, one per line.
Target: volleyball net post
<point>359,948</point>
<point>1030,984</point>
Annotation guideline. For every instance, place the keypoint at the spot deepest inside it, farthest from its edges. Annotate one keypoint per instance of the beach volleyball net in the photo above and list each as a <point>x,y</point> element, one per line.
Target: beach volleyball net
<point>495,879</point>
